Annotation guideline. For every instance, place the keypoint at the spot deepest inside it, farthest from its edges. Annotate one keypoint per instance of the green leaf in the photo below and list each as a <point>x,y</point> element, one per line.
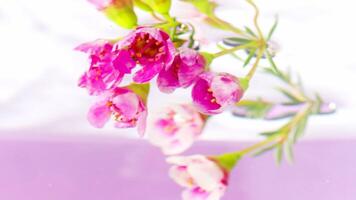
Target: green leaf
<point>270,133</point>
<point>249,31</point>
<point>272,29</point>
<point>255,108</point>
<point>232,54</point>
<point>142,90</point>
<point>270,71</point>
<point>278,153</point>
<point>244,83</point>
<point>290,95</point>
<point>227,161</point>
<point>273,64</point>
<point>235,41</point>
<point>250,56</point>
<point>208,58</point>
<point>300,129</point>
<point>264,150</point>
<point>288,151</point>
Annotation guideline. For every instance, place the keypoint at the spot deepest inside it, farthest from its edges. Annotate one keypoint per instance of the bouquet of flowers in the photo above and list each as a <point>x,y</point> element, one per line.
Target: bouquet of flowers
<point>169,51</point>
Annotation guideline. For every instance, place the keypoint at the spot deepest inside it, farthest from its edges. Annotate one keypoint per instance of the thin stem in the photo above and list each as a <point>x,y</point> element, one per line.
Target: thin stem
<point>168,17</point>
<point>259,145</point>
<point>191,37</point>
<point>257,13</point>
<point>282,76</point>
<point>156,16</point>
<point>300,115</point>
<point>255,65</point>
<point>229,26</point>
<point>232,50</point>
<point>277,138</point>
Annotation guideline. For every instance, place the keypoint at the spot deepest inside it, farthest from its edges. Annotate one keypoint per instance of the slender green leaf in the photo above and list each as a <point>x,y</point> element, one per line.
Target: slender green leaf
<point>235,41</point>
<point>272,29</point>
<point>278,153</point>
<point>270,71</point>
<point>249,31</point>
<point>270,133</point>
<point>289,95</point>
<point>288,151</point>
<point>233,54</point>
<point>273,64</point>
<point>300,129</point>
<point>250,56</point>
<point>141,90</point>
<point>264,150</point>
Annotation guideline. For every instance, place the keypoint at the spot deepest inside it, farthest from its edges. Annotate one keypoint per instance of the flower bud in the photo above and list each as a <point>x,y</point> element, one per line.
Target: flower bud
<point>160,6</point>
<point>143,6</point>
<point>122,13</point>
<point>119,11</point>
<point>214,92</point>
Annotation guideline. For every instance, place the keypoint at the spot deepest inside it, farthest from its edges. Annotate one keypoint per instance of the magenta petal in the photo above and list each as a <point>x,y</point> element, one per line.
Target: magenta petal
<point>202,98</point>
<point>94,47</point>
<point>83,80</point>
<point>147,72</point>
<point>99,114</point>
<point>123,62</point>
<point>192,66</point>
<point>151,48</point>
<point>167,80</point>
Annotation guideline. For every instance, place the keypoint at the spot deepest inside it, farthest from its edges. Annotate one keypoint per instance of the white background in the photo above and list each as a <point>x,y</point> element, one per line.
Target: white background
<point>39,69</point>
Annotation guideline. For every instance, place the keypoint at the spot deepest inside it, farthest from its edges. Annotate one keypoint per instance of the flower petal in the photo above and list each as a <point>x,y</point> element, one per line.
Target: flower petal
<point>147,72</point>
<point>123,62</point>
<point>202,98</point>
<point>99,114</point>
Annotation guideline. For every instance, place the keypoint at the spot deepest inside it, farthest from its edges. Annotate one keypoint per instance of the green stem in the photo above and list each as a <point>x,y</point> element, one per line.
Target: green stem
<point>229,26</point>
<point>299,116</point>
<point>156,16</point>
<point>259,145</point>
<point>275,138</point>
<point>255,65</point>
<point>257,13</point>
<point>232,50</point>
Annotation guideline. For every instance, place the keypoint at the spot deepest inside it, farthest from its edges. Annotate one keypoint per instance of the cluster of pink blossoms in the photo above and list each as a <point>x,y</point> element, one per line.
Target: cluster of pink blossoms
<point>146,53</point>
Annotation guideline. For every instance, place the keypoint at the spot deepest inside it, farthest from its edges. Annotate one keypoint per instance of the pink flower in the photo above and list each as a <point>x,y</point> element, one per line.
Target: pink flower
<point>107,67</point>
<point>203,178</point>
<point>176,129</point>
<point>126,107</point>
<point>149,47</point>
<point>214,92</point>
<point>187,65</point>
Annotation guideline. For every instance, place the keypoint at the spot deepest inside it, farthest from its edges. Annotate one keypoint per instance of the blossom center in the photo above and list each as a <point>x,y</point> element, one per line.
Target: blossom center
<point>146,47</point>
<point>213,99</point>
